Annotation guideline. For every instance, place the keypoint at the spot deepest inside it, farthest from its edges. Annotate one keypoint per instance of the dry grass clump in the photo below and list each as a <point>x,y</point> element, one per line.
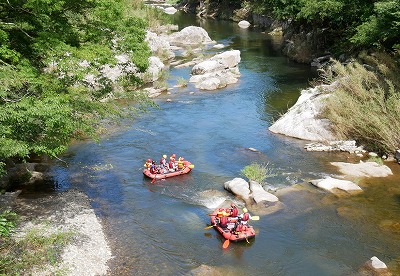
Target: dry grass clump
<point>366,104</point>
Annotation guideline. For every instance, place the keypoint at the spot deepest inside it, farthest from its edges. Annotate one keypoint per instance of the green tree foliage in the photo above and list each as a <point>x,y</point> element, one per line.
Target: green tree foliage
<point>356,23</point>
<point>382,28</point>
<point>44,100</point>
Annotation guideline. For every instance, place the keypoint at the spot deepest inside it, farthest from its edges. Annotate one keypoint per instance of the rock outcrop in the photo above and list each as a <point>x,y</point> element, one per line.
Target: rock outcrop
<point>303,119</point>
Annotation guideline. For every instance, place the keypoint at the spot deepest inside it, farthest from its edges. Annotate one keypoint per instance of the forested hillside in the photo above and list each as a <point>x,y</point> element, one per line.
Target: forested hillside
<point>50,50</point>
<point>355,24</point>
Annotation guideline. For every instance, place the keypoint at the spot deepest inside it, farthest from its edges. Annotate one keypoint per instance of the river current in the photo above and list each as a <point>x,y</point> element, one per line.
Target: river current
<point>158,228</point>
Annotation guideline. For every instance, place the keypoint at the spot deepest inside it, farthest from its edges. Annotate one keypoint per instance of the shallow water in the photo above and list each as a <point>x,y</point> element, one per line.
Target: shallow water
<point>157,229</point>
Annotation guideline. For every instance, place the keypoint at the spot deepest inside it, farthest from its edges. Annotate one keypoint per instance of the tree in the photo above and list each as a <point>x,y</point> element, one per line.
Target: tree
<point>42,44</point>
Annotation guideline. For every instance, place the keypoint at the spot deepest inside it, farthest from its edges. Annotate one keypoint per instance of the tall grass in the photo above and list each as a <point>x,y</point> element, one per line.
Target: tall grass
<point>35,250</point>
<point>366,104</point>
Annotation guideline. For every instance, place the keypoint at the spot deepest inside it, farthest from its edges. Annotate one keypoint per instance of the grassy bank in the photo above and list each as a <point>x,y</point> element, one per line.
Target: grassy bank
<point>366,104</point>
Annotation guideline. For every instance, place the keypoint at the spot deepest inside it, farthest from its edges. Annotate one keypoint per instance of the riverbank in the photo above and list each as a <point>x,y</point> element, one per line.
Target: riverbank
<point>66,213</point>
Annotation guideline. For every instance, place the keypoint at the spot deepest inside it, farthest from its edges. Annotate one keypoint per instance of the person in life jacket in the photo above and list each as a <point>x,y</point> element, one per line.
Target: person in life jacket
<point>234,210</point>
<point>172,160</point>
<point>240,228</point>
<point>244,218</point>
<point>223,222</point>
<point>180,163</point>
<point>148,164</point>
<point>163,163</point>
<point>153,168</point>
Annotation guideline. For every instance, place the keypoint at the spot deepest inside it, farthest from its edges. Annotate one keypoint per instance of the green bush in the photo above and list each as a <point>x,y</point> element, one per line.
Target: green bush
<point>257,172</point>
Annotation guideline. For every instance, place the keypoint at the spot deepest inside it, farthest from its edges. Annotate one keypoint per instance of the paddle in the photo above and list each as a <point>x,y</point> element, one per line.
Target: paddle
<point>154,180</point>
<point>226,244</point>
<point>255,218</point>
<point>208,227</point>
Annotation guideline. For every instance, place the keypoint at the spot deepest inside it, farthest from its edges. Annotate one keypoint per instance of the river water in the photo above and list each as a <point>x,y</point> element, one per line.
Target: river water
<point>158,229</point>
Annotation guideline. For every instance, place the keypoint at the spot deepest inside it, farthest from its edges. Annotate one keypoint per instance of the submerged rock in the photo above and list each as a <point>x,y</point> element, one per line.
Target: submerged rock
<point>330,184</point>
<point>244,24</point>
<point>374,266</point>
<point>363,169</point>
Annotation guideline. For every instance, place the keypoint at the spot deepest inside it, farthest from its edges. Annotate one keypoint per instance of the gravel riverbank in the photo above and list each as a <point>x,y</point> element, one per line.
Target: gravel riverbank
<point>69,211</point>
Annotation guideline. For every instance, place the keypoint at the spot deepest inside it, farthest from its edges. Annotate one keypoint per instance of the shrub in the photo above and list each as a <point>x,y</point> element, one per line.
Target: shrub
<point>257,172</point>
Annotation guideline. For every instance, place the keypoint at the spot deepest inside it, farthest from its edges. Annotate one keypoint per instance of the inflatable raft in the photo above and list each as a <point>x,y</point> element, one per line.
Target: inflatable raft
<point>230,233</point>
<point>187,168</point>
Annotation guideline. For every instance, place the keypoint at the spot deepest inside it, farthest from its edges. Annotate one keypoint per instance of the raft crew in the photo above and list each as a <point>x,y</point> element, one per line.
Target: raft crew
<point>181,165</point>
<point>148,164</point>
<point>172,162</point>
<point>163,161</point>
<point>164,167</point>
<point>244,218</point>
<point>234,210</point>
<point>154,169</point>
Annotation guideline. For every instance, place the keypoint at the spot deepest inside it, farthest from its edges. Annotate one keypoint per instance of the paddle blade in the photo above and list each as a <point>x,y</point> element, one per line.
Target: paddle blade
<point>255,218</point>
<point>209,227</point>
<point>154,180</point>
<point>226,244</point>
<point>191,166</point>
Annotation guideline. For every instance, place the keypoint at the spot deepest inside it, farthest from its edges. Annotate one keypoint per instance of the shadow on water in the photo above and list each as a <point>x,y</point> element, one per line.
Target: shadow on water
<point>158,228</point>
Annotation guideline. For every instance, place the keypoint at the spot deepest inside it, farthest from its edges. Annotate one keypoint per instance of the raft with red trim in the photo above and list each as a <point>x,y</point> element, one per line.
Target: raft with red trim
<point>187,167</point>
<point>229,233</point>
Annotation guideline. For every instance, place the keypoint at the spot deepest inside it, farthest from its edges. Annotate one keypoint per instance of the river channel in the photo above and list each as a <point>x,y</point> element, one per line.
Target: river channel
<point>158,228</point>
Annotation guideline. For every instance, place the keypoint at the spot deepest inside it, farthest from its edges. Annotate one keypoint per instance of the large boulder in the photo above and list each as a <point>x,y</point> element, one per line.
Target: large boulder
<point>260,195</point>
<point>229,58</point>
<point>330,184</point>
<point>303,120</point>
<point>363,169</point>
<point>208,66</point>
<point>217,72</point>
<point>190,36</point>
<point>238,186</point>
<point>159,45</point>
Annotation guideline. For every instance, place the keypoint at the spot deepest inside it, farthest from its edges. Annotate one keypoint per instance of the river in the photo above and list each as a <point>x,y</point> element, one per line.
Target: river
<point>158,229</point>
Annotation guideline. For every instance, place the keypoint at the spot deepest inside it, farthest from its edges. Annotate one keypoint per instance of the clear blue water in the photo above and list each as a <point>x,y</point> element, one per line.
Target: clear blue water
<point>157,229</point>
